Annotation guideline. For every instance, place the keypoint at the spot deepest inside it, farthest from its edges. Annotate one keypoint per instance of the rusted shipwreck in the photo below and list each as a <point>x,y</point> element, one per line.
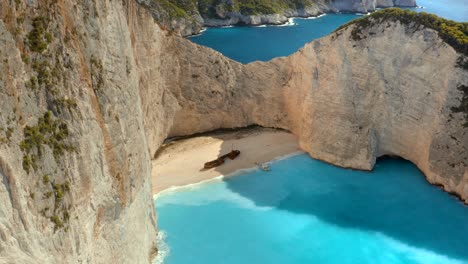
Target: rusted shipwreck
<point>220,161</point>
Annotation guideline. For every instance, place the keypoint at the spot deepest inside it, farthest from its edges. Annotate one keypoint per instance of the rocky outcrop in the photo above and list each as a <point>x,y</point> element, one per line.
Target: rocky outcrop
<point>90,89</point>
<point>188,17</point>
<point>364,6</point>
<point>348,100</point>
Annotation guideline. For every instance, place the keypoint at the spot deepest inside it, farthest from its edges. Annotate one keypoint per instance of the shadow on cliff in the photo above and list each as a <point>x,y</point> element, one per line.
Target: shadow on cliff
<point>394,200</point>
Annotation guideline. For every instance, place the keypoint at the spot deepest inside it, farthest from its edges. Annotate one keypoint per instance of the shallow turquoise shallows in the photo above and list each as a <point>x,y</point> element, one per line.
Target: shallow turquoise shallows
<point>248,44</point>
<point>306,211</point>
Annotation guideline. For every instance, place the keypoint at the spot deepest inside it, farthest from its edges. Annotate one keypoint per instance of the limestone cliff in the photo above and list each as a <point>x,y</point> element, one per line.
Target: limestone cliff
<point>74,164</point>
<point>187,17</point>
<point>90,89</point>
<point>390,88</point>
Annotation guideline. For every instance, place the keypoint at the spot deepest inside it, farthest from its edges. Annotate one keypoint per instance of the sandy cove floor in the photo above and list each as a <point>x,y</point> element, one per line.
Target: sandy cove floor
<point>180,162</point>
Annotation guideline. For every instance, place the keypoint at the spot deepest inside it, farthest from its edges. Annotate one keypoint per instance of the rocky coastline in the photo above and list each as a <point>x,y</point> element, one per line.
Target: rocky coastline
<point>91,89</point>
<point>194,23</point>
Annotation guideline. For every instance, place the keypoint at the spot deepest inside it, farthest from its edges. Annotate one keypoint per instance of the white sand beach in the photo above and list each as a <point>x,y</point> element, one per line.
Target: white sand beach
<point>181,162</point>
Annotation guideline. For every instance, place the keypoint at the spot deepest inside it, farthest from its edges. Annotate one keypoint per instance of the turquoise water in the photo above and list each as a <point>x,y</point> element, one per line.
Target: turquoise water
<point>306,211</point>
<point>247,44</point>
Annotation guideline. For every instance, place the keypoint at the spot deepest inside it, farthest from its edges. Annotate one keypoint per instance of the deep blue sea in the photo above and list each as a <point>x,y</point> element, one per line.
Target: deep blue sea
<point>247,44</point>
<point>305,211</point>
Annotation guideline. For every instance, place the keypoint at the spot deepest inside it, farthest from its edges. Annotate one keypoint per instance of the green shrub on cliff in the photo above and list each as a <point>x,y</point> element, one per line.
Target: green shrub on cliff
<point>56,220</point>
<point>47,131</point>
<point>453,33</point>
<point>38,38</point>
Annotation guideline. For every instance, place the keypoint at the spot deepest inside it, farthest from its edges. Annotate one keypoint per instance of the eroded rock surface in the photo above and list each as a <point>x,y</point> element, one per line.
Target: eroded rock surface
<point>75,170</point>
<point>349,102</point>
<point>90,89</point>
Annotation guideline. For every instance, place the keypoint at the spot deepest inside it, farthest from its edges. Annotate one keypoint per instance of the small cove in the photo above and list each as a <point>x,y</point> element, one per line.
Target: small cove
<point>306,211</point>
<point>248,44</point>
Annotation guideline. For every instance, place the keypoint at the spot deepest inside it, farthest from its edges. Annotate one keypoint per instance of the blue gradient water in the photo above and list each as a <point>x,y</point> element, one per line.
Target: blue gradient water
<point>306,211</point>
<point>247,44</point>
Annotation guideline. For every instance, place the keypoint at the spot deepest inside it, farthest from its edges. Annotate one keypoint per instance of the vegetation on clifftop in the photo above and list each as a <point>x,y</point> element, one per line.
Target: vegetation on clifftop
<point>256,7</point>
<point>208,8</point>
<point>176,8</point>
<point>453,33</point>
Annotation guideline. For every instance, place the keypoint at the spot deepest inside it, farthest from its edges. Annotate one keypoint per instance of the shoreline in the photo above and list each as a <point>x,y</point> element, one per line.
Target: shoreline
<point>290,20</point>
<point>180,163</point>
<point>222,177</point>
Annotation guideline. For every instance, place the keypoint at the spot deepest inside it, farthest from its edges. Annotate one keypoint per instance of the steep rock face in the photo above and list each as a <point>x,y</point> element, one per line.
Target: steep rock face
<point>116,86</point>
<point>358,6</point>
<point>400,3</point>
<point>235,18</point>
<point>365,6</point>
<point>74,164</point>
<point>349,102</point>
<point>382,98</point>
